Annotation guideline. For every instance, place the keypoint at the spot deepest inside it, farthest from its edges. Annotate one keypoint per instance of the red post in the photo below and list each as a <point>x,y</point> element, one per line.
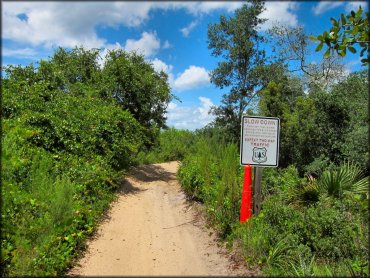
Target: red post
<point>246,205</point>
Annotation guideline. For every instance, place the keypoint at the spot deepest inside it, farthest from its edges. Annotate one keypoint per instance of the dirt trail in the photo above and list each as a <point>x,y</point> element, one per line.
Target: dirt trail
<point>152,230</point>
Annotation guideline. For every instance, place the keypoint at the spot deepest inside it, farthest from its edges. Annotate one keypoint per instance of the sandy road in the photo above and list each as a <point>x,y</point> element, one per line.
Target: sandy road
<point>152,230</point>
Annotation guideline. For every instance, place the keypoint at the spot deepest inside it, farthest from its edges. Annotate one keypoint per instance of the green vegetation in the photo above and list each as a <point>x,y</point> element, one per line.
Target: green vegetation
<point>172,145</point>
<point>72,127</point>
<point>67,139</point>
<point>237,41</point>
<point>314,218</point>
<point>307,227</point>
<point>346,32</point>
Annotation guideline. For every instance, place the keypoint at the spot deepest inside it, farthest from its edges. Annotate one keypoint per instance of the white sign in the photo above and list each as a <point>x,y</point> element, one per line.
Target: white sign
<point>259,144</point>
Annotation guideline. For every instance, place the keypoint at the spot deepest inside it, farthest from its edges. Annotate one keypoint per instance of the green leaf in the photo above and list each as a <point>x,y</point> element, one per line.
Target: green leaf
<point>343,19</point>
<point>359,12</point>
<point>319,47</point>
<point>327,53</point>
<point>343,53</point>
<point>334,22</point>
<point>352,49</point>
<point>313,38</point>
<point>355,30</point>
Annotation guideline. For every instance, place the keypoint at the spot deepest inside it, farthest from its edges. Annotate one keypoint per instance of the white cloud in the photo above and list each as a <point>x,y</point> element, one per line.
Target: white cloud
<point>204,110</point>
<point>324,6</point>
<point>209,6</point>
<point>159,65</point>
<point>148,44</point>
<point>186,30</point>
<point>172,106</point>
<point>188,117</point>
<point>354,5</point>
<point>68,24</point>
<point>191,78</point>
<point>50,24</point>
<point>28,53</point>
<point>282,12</point>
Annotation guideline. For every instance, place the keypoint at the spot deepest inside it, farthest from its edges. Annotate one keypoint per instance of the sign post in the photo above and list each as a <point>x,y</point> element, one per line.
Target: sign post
<point>257,190</point>
<point>259,147</point>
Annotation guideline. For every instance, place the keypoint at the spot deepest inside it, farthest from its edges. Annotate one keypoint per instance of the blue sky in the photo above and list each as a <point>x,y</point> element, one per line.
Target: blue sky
<point>172,35</point>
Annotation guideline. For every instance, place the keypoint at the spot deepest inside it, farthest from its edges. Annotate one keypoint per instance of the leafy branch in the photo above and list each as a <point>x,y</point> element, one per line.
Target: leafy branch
<point>345,32</point>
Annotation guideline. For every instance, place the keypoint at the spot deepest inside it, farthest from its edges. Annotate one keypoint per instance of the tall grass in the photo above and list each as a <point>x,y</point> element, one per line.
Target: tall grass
<point>50,204</point>
<point>213,175</point>
<point>305,228</point>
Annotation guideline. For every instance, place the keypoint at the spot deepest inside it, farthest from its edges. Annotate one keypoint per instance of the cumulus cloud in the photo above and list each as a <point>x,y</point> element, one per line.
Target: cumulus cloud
<point>190,117</point>
<point>191,78</point>
<point>324,6</point>
<point>203,110</point>
<point>159,66</point>
<point>148,44</point>
<point>186,30</point>
<point>281,12</point>
<point>69,24</point>
<point>74,23</point>
<point>45,24</point>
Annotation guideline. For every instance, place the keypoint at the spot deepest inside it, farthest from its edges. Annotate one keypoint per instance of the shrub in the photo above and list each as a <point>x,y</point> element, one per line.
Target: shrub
<point>173,145</point>
<point>63,148</point>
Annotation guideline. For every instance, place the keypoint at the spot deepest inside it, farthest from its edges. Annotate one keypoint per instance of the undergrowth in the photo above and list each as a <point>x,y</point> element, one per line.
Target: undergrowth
<point>303,229</point>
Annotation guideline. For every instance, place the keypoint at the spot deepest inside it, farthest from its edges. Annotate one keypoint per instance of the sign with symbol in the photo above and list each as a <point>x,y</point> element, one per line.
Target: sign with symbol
<point>259,144</point>
<point>259,155</point>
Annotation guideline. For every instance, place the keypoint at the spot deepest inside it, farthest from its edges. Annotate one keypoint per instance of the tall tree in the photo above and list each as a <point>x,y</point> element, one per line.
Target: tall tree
<point>237,42</point>
<point>138,88</point>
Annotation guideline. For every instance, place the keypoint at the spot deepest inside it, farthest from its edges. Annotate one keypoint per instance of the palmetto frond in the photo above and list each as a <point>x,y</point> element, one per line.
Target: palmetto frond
<point>348,179</point>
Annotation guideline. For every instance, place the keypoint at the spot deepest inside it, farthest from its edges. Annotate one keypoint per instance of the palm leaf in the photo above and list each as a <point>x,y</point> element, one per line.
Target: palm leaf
<point>348,179</point>
<point>361,186</point>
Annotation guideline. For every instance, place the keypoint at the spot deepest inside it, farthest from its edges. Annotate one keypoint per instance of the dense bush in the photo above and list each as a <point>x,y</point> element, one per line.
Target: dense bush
<point>320,128</point>
<point>50,202</point>
<point>65,146</point>
<point>302,228</point>
<point>172,145</point>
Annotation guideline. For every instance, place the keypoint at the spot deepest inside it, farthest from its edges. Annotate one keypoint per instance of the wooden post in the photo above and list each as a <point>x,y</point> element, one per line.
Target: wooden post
<point>257,190</point>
